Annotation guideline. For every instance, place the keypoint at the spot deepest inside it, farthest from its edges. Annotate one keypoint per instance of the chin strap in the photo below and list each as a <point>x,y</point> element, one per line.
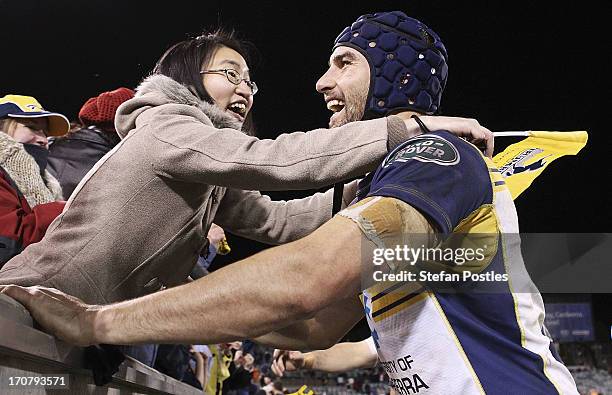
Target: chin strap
<point>420,123</point>
<point>337,202</point>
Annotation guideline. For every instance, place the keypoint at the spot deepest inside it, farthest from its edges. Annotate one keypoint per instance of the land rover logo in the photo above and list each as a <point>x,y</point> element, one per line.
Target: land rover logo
<point>429,148</point>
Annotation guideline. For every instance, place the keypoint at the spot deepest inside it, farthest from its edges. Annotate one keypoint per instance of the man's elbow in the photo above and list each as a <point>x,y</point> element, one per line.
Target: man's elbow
<point>321,274</point>
<point>306,303</point>
<point>309,296</point>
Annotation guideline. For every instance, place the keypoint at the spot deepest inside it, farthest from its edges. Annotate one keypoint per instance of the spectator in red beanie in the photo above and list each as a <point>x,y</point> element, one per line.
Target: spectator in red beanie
<point>72,156</point>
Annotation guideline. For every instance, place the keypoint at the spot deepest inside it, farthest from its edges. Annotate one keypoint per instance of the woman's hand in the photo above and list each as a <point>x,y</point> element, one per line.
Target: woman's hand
<point>467,128</point>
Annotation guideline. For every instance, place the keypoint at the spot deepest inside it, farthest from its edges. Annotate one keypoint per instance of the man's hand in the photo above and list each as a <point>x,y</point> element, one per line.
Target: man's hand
<point>62,315</point>
<point>467,128</point>
<point>289,361</point>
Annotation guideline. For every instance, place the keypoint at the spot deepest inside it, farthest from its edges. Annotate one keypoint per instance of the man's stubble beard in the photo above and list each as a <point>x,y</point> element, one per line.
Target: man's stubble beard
<point>354,109</point>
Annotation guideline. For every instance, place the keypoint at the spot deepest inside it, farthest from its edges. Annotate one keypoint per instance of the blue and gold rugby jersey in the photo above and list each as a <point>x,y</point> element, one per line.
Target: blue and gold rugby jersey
<point>436,342</point>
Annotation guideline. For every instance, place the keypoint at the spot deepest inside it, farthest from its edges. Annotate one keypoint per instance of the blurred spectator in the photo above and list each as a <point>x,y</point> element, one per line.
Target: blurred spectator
<point>239,382</point>
<point>180,362</point>
<point>208,357</point>
<point>30,198</point>
<point>256,374</point>
<point>277,388</point>
<point>71,157</point>
<point>145,353</point>
<point>265,381</point>
<point>199,365</point>
<point>271,388</point>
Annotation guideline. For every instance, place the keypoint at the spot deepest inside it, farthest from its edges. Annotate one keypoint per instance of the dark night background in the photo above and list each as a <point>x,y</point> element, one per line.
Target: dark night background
<point>513,66</point>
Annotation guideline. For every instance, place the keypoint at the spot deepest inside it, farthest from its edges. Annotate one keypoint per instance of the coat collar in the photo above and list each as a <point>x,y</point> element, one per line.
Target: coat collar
<point>157,90</point>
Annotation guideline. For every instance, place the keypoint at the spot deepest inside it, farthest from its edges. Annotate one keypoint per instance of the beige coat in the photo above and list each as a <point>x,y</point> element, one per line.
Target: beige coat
<point>139,218</point>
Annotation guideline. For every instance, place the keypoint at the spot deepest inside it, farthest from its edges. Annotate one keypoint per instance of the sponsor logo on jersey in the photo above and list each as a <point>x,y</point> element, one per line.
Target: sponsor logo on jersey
<point>517,164</point>
<point>427,148</point>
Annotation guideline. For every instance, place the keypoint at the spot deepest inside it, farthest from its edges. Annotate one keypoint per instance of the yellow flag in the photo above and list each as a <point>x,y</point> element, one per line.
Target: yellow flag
<point>223,248</point>
<point>522,162</point>
<point>304,390</point>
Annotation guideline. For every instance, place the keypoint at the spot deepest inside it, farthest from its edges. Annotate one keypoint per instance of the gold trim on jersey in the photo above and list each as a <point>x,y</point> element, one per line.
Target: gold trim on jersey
<point>411,299</point>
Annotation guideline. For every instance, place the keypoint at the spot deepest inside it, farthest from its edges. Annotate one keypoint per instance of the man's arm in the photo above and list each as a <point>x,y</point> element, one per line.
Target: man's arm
<point>322,331</point>
<point>339,358</point>
<point>231,303</point>
<point>226,305</point>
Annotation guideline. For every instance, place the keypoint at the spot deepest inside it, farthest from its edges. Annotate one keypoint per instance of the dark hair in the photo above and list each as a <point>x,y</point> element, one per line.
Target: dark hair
<point>183,62</point>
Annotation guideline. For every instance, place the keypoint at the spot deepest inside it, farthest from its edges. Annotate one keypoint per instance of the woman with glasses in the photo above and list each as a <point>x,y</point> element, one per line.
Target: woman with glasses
<point>139,219</point>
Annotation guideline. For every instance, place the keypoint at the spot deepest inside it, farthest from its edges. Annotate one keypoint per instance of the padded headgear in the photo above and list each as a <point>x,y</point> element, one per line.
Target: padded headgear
<point>407,62</point>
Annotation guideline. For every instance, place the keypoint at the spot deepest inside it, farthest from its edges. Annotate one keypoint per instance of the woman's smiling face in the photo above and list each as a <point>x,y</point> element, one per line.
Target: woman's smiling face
<point>237,100</point>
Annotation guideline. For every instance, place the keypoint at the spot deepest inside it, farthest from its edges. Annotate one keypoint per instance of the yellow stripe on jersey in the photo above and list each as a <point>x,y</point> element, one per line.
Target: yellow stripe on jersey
<point>393,294</point>
<point>379,287</point>
<point>410,300</point>
<point>389,298</point>
<point>383,288</point>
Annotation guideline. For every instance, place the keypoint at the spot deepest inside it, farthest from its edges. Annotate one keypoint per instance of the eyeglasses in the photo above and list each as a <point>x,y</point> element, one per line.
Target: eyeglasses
<point>234,77</point>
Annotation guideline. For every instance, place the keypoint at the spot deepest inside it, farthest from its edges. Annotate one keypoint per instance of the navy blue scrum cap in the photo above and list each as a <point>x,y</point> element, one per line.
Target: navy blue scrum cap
<point>408,62</point>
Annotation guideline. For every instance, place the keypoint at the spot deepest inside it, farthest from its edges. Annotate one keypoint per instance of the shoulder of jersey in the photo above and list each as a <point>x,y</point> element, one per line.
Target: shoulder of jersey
<point>427,148</point>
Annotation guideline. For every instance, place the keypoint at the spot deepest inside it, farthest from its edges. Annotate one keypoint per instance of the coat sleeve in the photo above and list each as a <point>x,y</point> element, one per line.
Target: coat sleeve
<point>194,152</point>
<point>255,216</point>
<point>34,224</point>
<point>20,225</point>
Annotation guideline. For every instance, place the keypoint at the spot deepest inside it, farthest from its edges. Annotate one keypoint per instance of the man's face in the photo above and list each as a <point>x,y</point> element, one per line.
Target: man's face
<point>345,85</point>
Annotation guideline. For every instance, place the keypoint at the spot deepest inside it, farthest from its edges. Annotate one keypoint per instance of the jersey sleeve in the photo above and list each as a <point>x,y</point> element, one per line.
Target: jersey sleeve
<point>439,174</point>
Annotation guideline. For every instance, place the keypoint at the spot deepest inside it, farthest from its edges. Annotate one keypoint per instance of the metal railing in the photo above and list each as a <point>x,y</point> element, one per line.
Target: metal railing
<point>26,352</point>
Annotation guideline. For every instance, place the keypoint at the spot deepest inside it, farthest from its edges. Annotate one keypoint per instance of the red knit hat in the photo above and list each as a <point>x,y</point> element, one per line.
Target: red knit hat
<point>101,110</point>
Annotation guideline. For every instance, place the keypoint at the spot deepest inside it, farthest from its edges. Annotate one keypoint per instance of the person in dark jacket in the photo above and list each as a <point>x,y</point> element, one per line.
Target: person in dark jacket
<point>30,198</point>
<point>72,156</point>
